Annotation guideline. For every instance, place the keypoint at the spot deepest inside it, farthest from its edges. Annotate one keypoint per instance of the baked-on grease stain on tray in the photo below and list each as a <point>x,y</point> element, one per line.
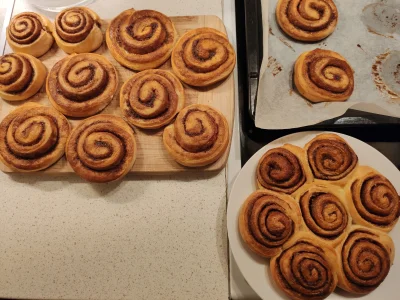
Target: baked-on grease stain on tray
<point>274,65</point>
<point>386,73</point>
<point>382,19</point>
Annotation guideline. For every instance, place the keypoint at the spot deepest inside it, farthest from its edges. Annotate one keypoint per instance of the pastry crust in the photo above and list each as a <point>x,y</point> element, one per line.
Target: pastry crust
<point>21,76</point>
<point>30,33</point>
<point>372,199</point>
<point>101,148</point>
<point>81,85</point>
<point>42,147</point>
<point>306,268</point>
<point>142,39</point>
<point>283,169</point>
<point>151,99</point>
<point>77,30</point>
<point>323,76</point>
<point>324,212</point>
<point>268,220</point>
<point>331,159</point>
<point>364,259</point>
<point>202,57</point>
<point>198,137</point>
<point>307,20</point>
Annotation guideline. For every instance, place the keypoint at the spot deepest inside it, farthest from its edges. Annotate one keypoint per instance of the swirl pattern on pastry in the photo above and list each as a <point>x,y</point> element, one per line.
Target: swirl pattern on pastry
<point>141,39</point>
<point>373,200</point>
<point>202,57</point>
<point>81,85</point>
<point>365,258</point>
<point>33,137</point>
<point>323,75</point>
<point>198,137</point>
<point>151,99</point>
<point>331,158</point>
<point>304,270</point>
<point>307,20</point>
<point>21,76</point>
<point>77,30</point>
<point>102,148</point>
<point>282,169</point>
<point>267,220</point>
<point>30,33</point>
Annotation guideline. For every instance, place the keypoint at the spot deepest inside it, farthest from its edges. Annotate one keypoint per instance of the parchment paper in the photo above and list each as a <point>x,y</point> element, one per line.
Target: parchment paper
<point>367,35</point>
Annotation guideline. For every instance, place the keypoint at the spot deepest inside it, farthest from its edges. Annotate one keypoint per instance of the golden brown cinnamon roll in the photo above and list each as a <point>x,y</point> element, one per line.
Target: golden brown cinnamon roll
<point>324,212</point>
<point>306,269</point>
<point>33,137</point>
<point>198,137</point>
<point>21,76</point>
<point>283,169</point>
<point>101,148</point>
<point>151,99</point>
<point>331,158</point>
<point>30,33</point>
<point>81,85</point>
<point>323,75</point>
<point>372,200</point>
<point>364,260</point>
<point>267,220</point>
<point>307,20</point>
<point>77,30</point>
<point>202,57</point>
<point>142,39</point>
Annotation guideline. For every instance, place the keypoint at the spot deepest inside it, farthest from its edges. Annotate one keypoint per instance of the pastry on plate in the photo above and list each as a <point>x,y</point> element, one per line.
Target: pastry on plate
<point>30,33</point>
<point>32,137</point>
<point>364,259</point>
<point>323,76</point>
<point>81,85</point>
<point>150,99</point>
<point>21,76</point>
<point>372,199</point>
<point>307,20</point>
<point>306,268</point>
<point>198,137</point>
<point>101,148</point>
<point>141,39</point>
<point>77,30</point>
<point>268,220</point>
<point>331,158</point>
<point>202,57</point>
<point>283,169</point>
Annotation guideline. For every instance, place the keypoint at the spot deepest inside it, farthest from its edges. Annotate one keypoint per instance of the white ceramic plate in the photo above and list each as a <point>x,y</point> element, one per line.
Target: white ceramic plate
<point>256,269</point>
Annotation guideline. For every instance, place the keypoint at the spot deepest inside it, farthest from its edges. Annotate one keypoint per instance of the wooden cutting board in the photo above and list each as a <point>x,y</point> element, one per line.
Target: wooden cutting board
<point>152,158</point>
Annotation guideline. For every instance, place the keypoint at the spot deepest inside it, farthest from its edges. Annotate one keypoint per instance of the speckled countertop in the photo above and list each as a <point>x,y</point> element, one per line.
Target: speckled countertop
<point>141,238</point>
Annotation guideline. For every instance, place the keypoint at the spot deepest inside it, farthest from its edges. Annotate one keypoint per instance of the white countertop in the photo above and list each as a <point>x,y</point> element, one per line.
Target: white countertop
<point>141,238</point>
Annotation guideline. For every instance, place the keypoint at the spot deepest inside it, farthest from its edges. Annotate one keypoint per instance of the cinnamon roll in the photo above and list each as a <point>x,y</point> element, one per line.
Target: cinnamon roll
<point>81,85</point>
<point>142,39</point>
<point>307,20</point>
<point>323,76</point>
<point>364,260</point>
<point>305,269</point>
<point>77,30</point>
<point>32,137</point>
<point>331,158</point>
<point>283,169</point>
<point>101,148</point>
<point>267,220</point>
<point>21,76</point>
<point>324,212</point>
<point>372,200</point>
<point>202,57</point>
<point>30,33</point>
<point>151,99</point>
<point>198,137</point>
